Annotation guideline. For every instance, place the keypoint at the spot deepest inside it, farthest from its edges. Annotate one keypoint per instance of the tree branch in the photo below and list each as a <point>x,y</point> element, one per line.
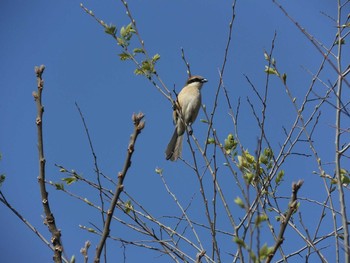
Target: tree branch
<point>138,126</point>
<point>49,217</point>
<point>285,219</point>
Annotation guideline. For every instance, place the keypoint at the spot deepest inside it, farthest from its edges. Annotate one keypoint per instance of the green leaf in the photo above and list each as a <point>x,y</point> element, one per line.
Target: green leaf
<point>239,241</point>
<point>121,42</point>
<point>343,171</point>
<point>139,50</point>
<point>155,58</point>
<point>239,202</point>
<point>69,180</point>
<point>130,29</point>
<point>111,30</point>
<point>266,56</point>
<point>279,177</point>
<point>264,252</point>
<point>259,219</point>
<point>344,179</point>
<point>128,207</point>
<point>124,56</point>
<point>249,177</point>
<point>122,32</point>
<point>139,71</point>
<point>147,69</point>
<point>241,162</point>
<point>91,230</point>
<point>252,256</point>
<point>263,159</point>
<point>59,186</point>
<point>72,259</point>
<point>250,158</point>
<point>271,71</point>
<point>230,143</point>
<point>211,141</point>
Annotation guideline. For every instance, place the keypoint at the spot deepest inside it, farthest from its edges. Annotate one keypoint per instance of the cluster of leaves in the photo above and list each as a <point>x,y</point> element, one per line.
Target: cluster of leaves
<point>254,170</point>
<point>147,66</point>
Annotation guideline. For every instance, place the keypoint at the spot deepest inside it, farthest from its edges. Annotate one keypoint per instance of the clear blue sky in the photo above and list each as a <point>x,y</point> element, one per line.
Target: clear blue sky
<point>82,66</point>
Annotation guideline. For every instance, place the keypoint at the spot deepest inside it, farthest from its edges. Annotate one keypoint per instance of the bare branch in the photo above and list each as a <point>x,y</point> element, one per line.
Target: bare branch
<point>293,206</point>
<point>49,217</point>
<point>138,126</point>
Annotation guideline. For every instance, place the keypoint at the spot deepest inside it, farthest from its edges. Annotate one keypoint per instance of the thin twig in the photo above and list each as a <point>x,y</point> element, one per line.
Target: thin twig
<point>97,169</point>
<point>186,62</point>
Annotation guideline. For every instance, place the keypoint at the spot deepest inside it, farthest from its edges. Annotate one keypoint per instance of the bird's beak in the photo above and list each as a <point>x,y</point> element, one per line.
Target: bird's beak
<point>204,80</point>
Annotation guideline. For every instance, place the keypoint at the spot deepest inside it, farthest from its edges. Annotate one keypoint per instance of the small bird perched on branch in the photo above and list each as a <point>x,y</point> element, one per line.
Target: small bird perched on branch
<point>186,109</point>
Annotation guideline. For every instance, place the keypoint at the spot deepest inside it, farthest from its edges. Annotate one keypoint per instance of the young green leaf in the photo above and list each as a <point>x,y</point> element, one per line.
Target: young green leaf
<point>155,58</point>
<point>59,186</point>
<point>111,30</point>
<point>239,241</point>
<point>128,207</point>
<point>279,177</point>
<point>69,180</point>
<point>259,219</point>
<point>124,56</point>
<point>239,202</point>
<point>271,71</point>
<point>139,50</point>
<point>264,252</point>
<point>266,56</point>
<point>211,141</point>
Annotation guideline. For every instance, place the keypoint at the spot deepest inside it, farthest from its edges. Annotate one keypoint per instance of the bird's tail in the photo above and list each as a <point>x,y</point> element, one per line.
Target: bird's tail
<point>173,151</point>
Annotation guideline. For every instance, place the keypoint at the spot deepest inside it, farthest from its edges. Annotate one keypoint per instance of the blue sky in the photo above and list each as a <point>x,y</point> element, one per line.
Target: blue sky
<point>82,66</point>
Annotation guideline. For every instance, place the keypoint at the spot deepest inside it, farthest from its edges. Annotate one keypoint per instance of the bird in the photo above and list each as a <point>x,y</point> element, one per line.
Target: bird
<point>186,108</point>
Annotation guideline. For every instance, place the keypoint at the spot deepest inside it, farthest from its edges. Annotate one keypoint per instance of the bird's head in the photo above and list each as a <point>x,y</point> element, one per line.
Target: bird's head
<point>197,81</point>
